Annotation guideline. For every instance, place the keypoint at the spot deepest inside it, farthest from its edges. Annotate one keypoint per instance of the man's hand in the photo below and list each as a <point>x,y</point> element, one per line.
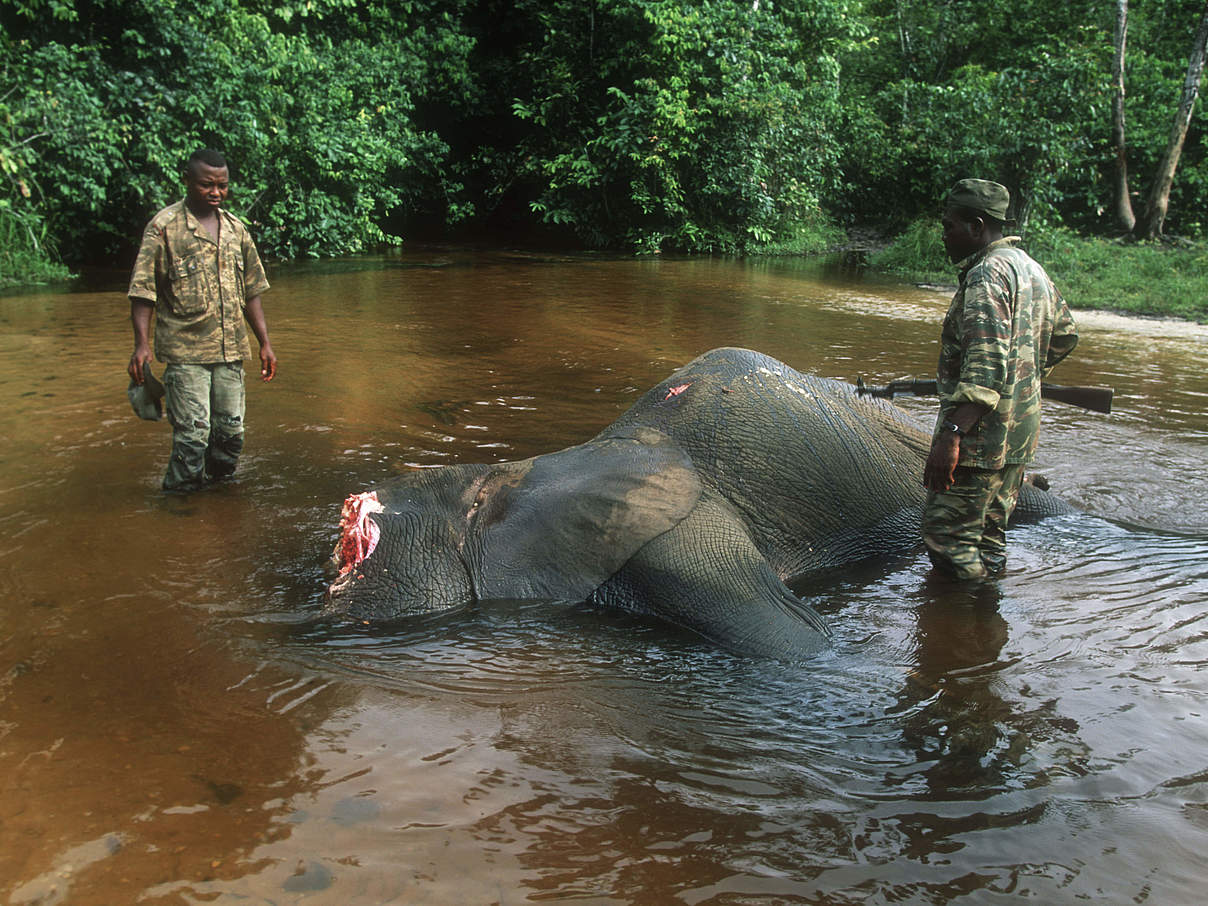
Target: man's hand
<point>268,363</point>
<point>254,312</point>
<point>138,361</point>
<point>939,472</point>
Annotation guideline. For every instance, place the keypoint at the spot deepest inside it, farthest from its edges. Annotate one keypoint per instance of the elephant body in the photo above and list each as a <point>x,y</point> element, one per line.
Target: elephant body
<point>735,474</point>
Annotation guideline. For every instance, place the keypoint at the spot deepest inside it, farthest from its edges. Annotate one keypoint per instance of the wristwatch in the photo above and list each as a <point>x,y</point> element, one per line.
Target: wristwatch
<point>953,427</point>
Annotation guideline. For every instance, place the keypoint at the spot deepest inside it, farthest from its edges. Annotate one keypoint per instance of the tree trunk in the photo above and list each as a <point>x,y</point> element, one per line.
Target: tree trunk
<point>1151,222</point>
<point>1124,217</point>
<point>1023,206</point>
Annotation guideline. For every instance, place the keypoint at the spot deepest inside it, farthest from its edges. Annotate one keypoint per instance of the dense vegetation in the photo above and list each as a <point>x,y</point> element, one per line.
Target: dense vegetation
<point>1168,279</point>
<point>650,125</point>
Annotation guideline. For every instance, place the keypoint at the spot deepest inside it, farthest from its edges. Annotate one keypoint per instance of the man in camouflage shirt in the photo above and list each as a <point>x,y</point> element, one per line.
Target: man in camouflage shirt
<point>1006,328</point>
<point>199,271</point>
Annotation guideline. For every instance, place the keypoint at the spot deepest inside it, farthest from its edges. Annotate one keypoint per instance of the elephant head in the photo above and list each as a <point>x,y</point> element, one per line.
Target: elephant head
<point>554,527</point>
<point>399,546</point>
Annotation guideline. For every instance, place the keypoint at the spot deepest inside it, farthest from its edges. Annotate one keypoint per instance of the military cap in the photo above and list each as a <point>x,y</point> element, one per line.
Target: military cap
<point>981,195</point>
<point>146,399</point>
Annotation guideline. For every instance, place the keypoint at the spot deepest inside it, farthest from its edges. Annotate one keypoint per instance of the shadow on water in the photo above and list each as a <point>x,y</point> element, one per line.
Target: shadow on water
<point>180,724</point>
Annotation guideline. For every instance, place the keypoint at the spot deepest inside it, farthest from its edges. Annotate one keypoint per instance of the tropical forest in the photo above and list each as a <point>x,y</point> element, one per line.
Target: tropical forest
<point>638,127</point>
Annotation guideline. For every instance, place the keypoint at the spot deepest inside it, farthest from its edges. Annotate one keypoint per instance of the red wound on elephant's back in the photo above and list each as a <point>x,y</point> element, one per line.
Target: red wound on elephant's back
<point>676,391</point>
<point>358,533</point>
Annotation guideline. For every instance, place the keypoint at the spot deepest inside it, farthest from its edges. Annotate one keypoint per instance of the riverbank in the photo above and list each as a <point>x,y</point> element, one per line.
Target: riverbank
<point>1151,326</point>
<point>1167,279</point>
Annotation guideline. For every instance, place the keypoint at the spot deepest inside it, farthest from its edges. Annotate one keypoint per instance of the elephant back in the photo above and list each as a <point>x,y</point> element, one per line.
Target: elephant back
<point>820,476</point>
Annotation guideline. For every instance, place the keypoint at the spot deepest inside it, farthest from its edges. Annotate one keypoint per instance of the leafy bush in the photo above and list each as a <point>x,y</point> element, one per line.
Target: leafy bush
<point>318,114</point>
<point>1168,279</point>
<point>1017,92</point>
<point>917,254</point>
<point>25,255</point>
<point>1144,278</point>
<point>705,128</point>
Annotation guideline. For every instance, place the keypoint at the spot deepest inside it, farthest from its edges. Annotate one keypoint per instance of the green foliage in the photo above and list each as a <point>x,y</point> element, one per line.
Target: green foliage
<point>27,253</point>
<point>719,126</point>
<point>320,127</point>
<point>1026,127</point>
<point>1160,37</point>
<point>814,235</point>
<point>1019,93</point>
<point>917,254</point>
<point>1150,278</point>
<point>1164,279</point>
<point>702,127</point>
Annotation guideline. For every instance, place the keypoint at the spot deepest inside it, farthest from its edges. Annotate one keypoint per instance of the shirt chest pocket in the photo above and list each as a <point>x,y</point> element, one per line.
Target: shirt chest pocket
<point>189,279</point>
<point>230,273</point>
<point>235,279</point>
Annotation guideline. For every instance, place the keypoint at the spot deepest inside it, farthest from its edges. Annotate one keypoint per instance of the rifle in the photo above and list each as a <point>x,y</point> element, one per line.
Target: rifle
<point>1097,399</point>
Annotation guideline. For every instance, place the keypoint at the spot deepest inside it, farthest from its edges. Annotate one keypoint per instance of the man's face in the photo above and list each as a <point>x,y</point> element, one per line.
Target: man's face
<point>206,187</point>
<point>961,237</point>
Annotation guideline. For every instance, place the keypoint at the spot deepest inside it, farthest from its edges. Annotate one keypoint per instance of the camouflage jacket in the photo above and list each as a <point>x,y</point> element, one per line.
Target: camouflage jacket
<point>199,287</point>
<point>1006,328</point>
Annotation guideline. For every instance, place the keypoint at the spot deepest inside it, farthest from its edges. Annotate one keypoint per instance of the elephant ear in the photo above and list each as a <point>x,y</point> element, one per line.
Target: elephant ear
<point>558,526</point>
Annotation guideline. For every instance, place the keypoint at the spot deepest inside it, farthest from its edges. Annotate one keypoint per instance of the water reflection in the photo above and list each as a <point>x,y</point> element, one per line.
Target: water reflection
<point>177,725</point>
<point>957,723</point>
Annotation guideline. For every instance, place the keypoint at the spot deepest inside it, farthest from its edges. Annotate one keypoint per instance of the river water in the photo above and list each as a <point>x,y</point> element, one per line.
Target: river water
<point>179,725</point>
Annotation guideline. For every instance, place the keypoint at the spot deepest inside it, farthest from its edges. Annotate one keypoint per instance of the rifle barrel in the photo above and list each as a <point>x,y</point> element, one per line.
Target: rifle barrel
<point>1097,399</point>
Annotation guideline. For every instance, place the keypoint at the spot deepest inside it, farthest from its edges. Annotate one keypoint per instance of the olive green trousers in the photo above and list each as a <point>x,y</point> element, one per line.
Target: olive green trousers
<point>965,527</point>
<point>205,405</point>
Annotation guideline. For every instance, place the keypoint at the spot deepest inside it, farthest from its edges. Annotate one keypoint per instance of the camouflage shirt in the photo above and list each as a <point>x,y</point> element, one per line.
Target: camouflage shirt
<point>199,286</point>
<point>1006,328</point>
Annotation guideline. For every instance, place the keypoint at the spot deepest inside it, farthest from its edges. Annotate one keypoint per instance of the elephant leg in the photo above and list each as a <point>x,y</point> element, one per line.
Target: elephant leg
<point>1036,503</point>
<point>707,576</point>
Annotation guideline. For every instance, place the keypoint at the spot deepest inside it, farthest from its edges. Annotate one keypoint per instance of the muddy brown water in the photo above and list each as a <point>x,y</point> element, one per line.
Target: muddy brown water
<point>178,725</point>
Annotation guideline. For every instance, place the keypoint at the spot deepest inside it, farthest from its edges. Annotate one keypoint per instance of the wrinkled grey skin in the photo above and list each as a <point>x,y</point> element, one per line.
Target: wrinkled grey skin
<point>694,507</point>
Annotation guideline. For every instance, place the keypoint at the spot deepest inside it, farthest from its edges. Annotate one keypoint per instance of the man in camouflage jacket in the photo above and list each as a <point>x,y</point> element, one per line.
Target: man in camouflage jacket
<point>1006,328</point>
<point>199,271</point>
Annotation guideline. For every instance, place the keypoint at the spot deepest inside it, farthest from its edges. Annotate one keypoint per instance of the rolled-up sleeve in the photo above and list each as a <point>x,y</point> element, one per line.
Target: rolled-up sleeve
<point>1064,337</point>
<point>255,281</point>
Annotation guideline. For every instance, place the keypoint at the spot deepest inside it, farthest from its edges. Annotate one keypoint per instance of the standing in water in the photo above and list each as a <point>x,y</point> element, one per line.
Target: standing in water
<point>1006,328</point>
<point>199,271</point>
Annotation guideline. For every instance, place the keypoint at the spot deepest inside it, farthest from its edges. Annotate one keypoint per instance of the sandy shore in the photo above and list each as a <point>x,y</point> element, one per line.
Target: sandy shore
<point>1154,327</point>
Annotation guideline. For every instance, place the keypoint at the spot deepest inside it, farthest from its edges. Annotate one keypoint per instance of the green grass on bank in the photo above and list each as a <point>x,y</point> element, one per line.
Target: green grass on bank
<point>812,238</point>
<point>1159,279</point>
<point>1153,279</point>
<point>24,255</point>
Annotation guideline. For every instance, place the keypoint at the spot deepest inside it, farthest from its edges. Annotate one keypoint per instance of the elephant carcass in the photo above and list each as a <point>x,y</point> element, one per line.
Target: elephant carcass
<point>731,477</point>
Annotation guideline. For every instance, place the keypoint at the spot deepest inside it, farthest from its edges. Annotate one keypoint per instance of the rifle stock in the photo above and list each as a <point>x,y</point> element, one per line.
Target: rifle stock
<point>1097,399</point>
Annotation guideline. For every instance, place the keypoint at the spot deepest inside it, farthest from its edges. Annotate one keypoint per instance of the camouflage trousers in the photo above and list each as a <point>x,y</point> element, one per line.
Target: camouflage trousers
<point>965,527</point>
<point>205,404</point>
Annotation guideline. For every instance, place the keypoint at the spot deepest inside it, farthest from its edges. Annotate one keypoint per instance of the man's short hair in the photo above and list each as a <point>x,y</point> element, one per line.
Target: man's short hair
<point>208,156</point>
